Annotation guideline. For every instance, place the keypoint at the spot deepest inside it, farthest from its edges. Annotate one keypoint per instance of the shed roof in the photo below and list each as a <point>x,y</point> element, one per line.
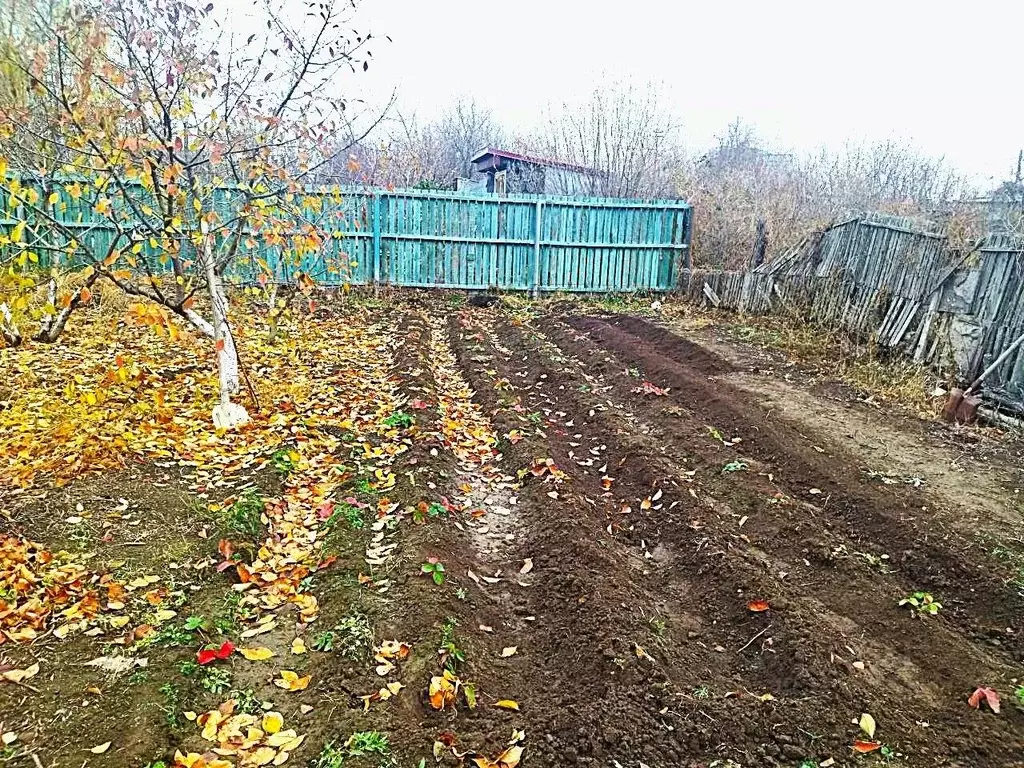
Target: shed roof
<point>532,160</point>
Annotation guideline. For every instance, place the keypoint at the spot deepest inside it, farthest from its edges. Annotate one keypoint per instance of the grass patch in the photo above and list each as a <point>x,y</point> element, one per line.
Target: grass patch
<point>359,744</point>
<point>862,365</point>
<point>352,637</point>
<point>244,517</point>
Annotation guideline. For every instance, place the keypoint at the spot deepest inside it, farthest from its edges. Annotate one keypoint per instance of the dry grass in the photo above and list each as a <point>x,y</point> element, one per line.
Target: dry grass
<point>882,376</point>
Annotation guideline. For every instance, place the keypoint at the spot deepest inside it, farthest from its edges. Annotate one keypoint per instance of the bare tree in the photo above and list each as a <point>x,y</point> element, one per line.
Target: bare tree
<point>623,131</point>
<point>740,182</point>
<point>406,152</point>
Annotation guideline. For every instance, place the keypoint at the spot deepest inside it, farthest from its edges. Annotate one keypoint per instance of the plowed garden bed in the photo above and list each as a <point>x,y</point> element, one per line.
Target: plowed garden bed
<point>488,537</point>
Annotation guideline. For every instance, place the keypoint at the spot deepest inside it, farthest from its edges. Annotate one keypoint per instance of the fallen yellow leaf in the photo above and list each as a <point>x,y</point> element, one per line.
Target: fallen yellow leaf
<point>20,675</point>
<point>290,681</point>
<point>298,646</point>
<point>256,654</point>
<point>510,651</point>
<point>99,749</point>
<point>508,704</point>
<point>272,722</point>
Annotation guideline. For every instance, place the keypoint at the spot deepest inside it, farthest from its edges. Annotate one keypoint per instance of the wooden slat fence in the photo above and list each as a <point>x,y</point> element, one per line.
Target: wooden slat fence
<point>899,284</point>
<point>452,240</point>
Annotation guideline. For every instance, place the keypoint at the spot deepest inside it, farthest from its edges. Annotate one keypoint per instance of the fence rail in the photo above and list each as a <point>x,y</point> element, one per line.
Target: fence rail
<point>899,284</point>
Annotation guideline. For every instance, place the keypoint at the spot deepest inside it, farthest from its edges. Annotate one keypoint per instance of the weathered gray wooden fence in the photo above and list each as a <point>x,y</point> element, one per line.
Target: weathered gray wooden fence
<point>899,284</point>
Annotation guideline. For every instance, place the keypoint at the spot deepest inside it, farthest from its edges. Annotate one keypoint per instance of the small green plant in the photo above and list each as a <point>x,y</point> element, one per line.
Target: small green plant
<point>171,705</point>
<point>881,562</point>
<point>156,764</point>
<point>461,593</point>
<point>535,417</point>
<point>702,692</point>
<point>285,460</point>
<point>330,757</point>
<point>448,649</point>
<point>1018,695</point>
<point>216,679</point>
<point>244,517</point>
<point>424,511</point>
<point>734,466</point>
<point>324,642</point>
<point>367,743</point>
<point>169,635</point>
<point>352,515</point>
<point>352,637</point>
<point>138,677</point>
<point>247,701</point>
<point>188,667</point>
<point>364,487</point>
<point>232,609</point>
<point>359,744</point>
<point>399,419</point>
<point>435,569</point>
<point>922,604</point>
<point>192,623</point>
<point>658,625</point>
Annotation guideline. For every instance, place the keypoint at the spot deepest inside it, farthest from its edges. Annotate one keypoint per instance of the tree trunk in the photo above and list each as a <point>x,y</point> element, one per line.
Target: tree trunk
<point>225,413</point>
<point>8,329</point>
<point>52,325</point>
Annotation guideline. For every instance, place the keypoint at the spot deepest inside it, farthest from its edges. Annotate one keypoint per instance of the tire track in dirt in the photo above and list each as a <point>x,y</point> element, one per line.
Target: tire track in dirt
<point>912,672</point>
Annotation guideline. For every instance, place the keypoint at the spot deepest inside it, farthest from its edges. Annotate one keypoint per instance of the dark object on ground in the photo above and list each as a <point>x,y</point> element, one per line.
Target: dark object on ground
<point>962,406</point>
<point>483,300</point>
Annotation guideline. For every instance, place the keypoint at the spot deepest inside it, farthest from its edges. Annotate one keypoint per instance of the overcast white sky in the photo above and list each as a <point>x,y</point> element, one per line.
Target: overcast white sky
<point>806,73</point>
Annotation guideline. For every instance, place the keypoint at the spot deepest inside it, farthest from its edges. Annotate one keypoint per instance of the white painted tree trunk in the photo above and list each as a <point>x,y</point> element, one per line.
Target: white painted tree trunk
<point>8,328</point>
<point>226,414</point>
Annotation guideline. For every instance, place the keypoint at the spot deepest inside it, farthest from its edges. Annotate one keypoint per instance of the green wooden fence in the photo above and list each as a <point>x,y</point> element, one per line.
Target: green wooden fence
<point>450,240</point>
<point>529,242</point>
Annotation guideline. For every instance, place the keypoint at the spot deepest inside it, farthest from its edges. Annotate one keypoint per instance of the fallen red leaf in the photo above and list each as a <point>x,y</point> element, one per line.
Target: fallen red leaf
<point>208,655</point>
<point>226,548</point>
<point>225,650</point>
<point>990,696</point>
<point>447,738</point>
<point>224,565</point>
<point>866,746</point>
<point>758,606</point>
<point>418,404</point>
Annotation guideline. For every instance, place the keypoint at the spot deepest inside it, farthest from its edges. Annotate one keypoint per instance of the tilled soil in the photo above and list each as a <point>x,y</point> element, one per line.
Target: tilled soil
<point>602,558</point>
<point>641,646</point>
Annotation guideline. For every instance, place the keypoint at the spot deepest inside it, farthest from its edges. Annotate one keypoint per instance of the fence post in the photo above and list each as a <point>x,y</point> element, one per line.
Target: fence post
<point>375,221</point>
<point>538,212</point>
